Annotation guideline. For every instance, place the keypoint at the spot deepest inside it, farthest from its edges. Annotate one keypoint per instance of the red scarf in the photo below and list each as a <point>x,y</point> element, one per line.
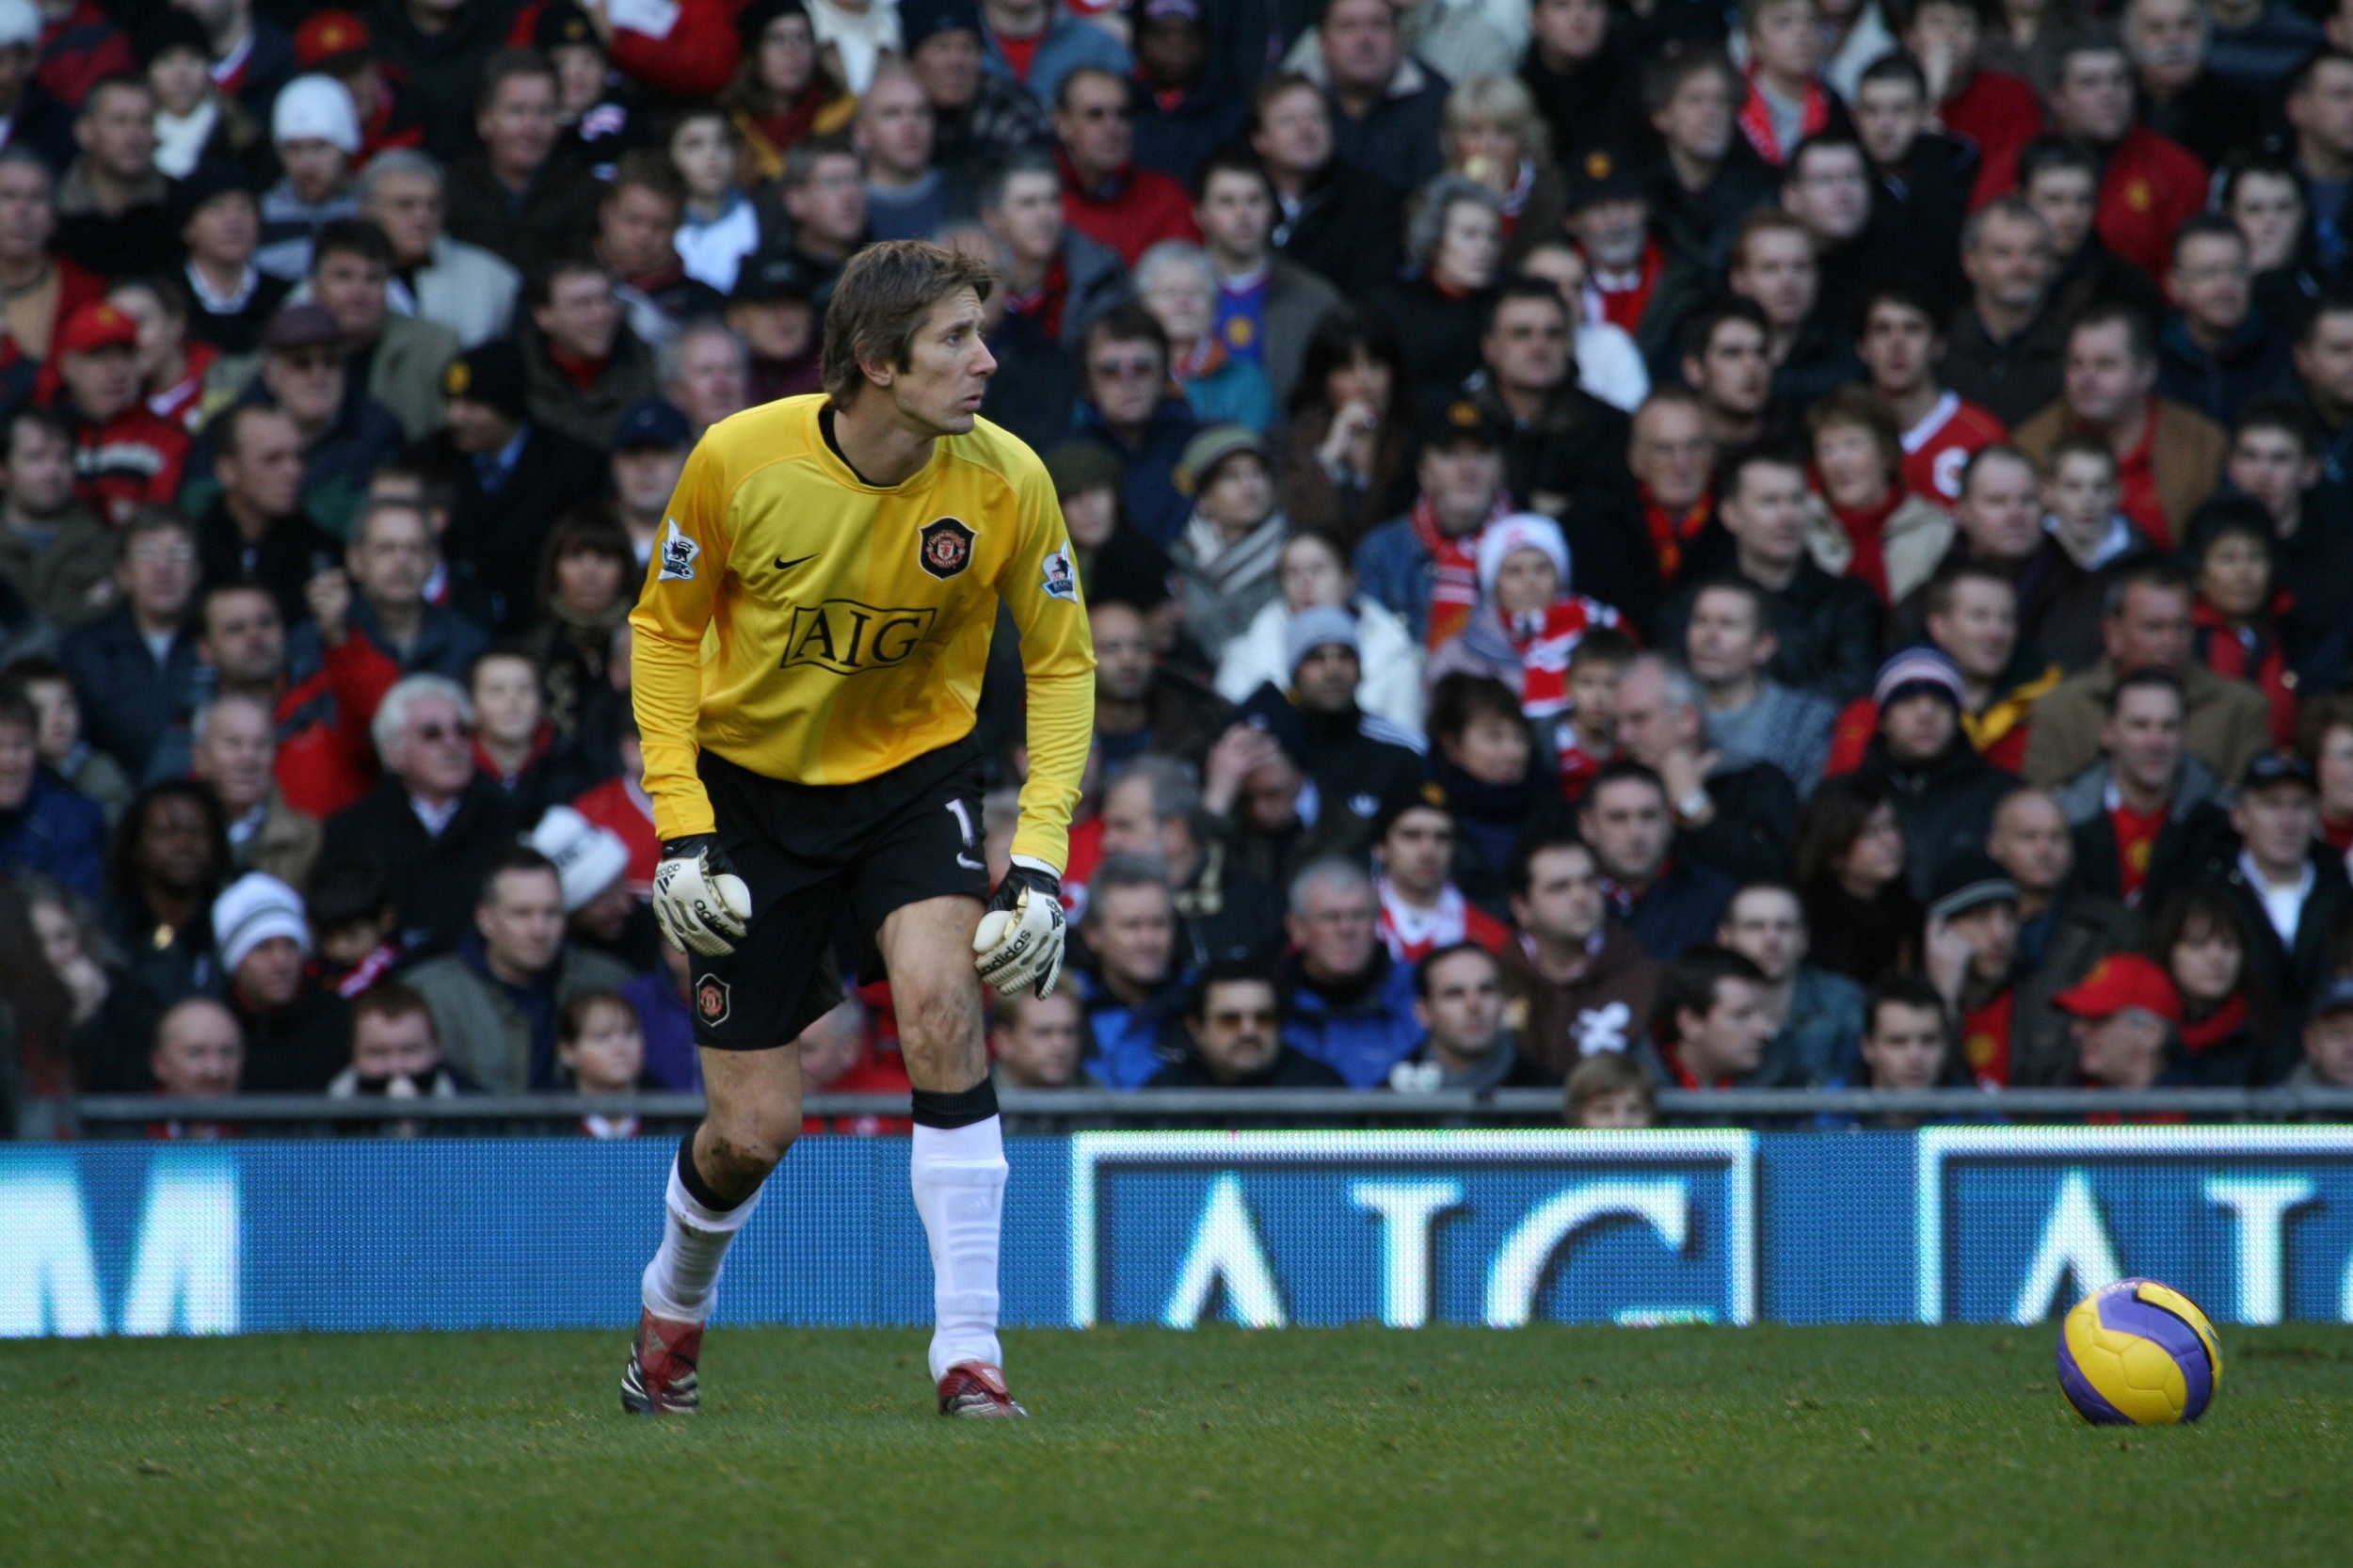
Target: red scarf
<point>2254,656</point>
<point>1045,302</point>
<point>1864,529</point>
<point>1623,306</point>
<point>2218,1027</point>
<point>579,369</point>
<point>1985,1039</point>
<point>1577,765</point>
<point>1671,536</point>
<point>2136,842</point>
<point>1757,121</point>
<point>1544,643</point>
<point>1454,569</point>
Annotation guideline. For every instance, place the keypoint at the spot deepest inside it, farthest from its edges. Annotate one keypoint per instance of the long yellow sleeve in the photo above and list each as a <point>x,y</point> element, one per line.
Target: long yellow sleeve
<point>1041,588</point>
<point>666,633</point>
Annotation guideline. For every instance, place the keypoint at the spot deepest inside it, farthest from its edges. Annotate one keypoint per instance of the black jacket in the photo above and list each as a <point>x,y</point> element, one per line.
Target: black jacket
<point>1925,201</point>
<point>290,552</point>
<point>1699,224</point>
<point>1595,105</point>
<point>2293,971</point>
<point>499,533</point>
<point>298,1048</point>
<point>1438,332</point>
<point>555,215</point>
<point>1348,229</point>
<point>1944,804</point>
<point>1828,629</point>
<point>2014,379</point>
<point>435,882</point>
<point>129,700</point>
<point>1752,833</point>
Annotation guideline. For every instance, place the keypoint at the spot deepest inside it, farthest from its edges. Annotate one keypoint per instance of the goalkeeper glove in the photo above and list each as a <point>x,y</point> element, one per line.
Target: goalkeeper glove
<point>1021,939</point>
<point>699,900</point>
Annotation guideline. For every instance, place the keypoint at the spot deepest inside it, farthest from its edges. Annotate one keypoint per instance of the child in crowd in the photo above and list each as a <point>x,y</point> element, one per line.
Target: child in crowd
<point>351,925</point>
<point>1609,1091</point>
<point>1528,623</point>
<point>1587,736</point>
<point>602,1050</point>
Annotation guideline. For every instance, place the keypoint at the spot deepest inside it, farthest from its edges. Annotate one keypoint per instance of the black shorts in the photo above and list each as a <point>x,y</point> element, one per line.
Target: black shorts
<point>812,854</point>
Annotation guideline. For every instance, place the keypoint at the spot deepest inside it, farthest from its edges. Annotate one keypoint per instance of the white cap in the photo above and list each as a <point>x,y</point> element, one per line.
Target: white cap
<point>20,22</point>
<point>250,911</point>
<point>588,858</point>
<point>1521,531</point>
<point>314,109</point>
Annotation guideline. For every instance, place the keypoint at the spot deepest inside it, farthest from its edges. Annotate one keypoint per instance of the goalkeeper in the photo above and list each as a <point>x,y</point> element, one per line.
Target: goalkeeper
<point>845,553</point>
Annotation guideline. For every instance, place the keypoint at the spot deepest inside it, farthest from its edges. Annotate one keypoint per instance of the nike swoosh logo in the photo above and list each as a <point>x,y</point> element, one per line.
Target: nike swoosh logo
<point>783,565</point>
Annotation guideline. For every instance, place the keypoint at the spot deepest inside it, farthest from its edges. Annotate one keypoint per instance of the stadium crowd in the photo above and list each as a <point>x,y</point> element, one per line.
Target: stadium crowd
<point>1675,544</point>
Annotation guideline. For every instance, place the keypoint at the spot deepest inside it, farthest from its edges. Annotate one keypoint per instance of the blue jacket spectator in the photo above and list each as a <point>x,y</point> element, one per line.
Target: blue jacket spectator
<point>1064,44</point>
<point>1668,903</point>
<point>1123,372</point>
<point>1461,475</point>
<point>1387,108</point>
<point>1133,987</point>
<point>134,667</point>
<point>1346,1003</point>
<point>45,825</point>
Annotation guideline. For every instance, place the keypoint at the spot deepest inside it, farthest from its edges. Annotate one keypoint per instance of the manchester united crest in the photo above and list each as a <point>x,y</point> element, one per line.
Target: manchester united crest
<point>711,999</point>
<point>944,548</point>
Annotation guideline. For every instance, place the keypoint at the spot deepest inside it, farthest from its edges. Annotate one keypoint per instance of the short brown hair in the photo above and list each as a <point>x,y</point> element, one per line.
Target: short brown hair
<point>1853,407</point>
<point>884,296</point>
<point>1608,1072</point>
<point>389,999</point>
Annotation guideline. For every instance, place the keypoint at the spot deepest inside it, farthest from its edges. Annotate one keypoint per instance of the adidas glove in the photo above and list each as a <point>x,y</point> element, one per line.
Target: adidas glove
<point>699,900</point>
<point>1020,939</point>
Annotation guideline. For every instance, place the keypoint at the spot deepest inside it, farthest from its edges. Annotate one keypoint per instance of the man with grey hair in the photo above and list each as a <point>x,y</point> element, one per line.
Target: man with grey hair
<point>1130,975</point>
<point>1737,816</point>
<point>432,824</point>
<point>1153,809</point>
<point>706,372</point>
<point>1344,1001</point>
<point>1749,716</point>
<point>467,289</point>
<point>2008,351</point>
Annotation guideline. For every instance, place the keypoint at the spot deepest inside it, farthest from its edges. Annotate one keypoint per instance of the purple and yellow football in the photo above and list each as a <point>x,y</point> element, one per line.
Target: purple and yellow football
<point>2139,1353</point>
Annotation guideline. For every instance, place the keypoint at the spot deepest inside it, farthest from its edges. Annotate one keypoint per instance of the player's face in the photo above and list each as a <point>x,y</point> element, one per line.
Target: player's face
<point>948,369</point>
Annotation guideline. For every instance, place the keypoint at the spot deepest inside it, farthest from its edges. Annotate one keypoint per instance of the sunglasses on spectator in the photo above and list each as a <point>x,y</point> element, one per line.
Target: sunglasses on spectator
<point>433,731</point>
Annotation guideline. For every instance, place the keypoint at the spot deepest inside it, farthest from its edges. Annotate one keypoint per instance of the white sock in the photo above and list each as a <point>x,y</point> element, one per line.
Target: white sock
<point>684,1274</point>
<point>959,1179</point>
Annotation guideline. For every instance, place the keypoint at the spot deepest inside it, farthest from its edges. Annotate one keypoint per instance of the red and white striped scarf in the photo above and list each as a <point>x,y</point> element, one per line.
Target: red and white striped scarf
<point>1454,563</point>
<point>1544,643</point>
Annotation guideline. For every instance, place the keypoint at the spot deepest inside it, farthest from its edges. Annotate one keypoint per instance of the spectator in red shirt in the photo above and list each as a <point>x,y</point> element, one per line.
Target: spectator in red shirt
<point>1104,195</point>
<point>125,457</point>
<point>1902,347</point>
<point>2168,457</point>
<point>2147,184</point>
<point>1993,109</point>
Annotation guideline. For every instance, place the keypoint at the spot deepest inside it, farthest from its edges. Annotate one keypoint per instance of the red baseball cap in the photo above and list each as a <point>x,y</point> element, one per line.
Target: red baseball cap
<point>93,326</point>
<point>332,42</point>
<point>2118,981</point>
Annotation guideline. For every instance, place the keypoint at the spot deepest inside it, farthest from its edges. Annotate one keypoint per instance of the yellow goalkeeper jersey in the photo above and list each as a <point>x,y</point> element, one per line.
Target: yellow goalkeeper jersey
<point>813,627</point>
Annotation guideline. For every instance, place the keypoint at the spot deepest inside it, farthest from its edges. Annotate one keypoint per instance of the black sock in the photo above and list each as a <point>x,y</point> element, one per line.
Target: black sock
<point>697,1188</point>
<point>936,1108</point>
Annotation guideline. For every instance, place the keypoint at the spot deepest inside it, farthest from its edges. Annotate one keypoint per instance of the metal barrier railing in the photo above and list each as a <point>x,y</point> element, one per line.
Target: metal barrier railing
<point>1050,1110</point>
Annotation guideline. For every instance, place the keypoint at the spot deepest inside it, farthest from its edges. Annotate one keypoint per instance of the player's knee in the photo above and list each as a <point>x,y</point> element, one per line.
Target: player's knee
<point>939,1018</point>
<point>739,1152</point>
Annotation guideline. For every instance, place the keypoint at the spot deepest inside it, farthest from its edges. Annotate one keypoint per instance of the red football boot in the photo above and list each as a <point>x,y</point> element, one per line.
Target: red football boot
<point>660,1379</point>
<point>976,1389</point>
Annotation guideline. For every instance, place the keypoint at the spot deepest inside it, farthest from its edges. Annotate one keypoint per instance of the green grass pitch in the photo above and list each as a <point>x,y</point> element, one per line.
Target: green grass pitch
<point>1688,1446</point>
